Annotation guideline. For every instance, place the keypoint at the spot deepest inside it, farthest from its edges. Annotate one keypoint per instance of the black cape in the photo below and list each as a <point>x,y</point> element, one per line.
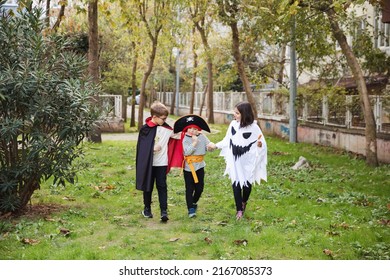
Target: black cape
<point>144,157</point>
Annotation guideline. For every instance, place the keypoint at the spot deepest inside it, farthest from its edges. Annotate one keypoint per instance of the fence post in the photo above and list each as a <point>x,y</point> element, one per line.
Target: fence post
<point>348,113</point>
<point>118,106</point>
<point>377,113</point>
<point>305,110</point>
<point>325,110</point>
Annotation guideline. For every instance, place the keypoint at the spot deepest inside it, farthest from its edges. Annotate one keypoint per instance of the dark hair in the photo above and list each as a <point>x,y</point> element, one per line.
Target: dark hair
<point>247,116</point>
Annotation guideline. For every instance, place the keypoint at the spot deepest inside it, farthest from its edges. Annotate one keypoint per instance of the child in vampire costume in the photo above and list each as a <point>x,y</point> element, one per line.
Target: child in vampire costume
<point>194,145</point>
<point>155,156</point>
<point>245,152</point>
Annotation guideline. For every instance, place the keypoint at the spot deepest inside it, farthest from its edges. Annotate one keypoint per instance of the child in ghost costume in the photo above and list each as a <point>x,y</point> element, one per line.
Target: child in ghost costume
<point>245,151</point>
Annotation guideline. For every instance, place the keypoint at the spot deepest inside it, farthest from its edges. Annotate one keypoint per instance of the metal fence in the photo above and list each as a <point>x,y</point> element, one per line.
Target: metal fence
<point>111,105</point>
<point>347,113</point>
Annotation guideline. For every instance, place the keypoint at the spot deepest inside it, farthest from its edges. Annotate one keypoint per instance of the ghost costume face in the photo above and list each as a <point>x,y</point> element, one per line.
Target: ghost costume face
<point>245,161</point>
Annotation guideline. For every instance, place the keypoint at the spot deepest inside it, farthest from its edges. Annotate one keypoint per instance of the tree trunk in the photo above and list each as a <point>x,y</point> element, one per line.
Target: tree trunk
<point>27,191</point>
<point>193,88</point>
<point>133,86</point>
<point>173,100</point>
<point>59,18</point>
<point>93,58</point>
<point>203,100</point>
<point>282,64</point>
<point>210,87</point>
<point>241,67</point>
<point>172,70</point>
<point>93,37</point>
<point>370,131</point>
<point>144,82</point>
<point>47,13</point>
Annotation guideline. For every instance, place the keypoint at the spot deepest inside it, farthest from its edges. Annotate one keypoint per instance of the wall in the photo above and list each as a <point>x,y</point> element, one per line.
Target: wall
<point>351,140</point>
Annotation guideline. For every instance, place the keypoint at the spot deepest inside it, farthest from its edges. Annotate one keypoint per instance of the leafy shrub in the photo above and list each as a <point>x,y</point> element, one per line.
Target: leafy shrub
<point>45,107</point>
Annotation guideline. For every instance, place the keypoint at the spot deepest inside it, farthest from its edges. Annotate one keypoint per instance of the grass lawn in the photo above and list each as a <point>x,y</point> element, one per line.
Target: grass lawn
<point>338,208</point>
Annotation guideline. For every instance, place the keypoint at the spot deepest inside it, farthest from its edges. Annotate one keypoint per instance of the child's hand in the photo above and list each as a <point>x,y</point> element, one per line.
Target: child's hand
<point>259,143</point>
<point>211,146</point>
<point>195,140</point>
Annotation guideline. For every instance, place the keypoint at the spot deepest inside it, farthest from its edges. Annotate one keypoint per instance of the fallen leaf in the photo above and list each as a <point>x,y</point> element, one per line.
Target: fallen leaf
<point>65,231</point>
<point>327,252</point>
<point>30,241</point>
<point>208,240</point>
<point>110,187</point>
<point>345,225</point>
<point>333,233</point>
<point>384,222</point>
<point>241,242</point>
<point>174,239</point>
<point>6,215</point>
<point>279,153</point>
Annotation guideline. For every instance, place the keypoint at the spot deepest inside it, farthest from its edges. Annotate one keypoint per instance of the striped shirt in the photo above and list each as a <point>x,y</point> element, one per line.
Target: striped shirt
<point>199,149</point>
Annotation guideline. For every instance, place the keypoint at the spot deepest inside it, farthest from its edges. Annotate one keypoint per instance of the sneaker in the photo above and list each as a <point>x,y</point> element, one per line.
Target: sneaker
<point>147,213</point>
<point>239,215</point>
<point>164,216</point>
<point>192,212</point>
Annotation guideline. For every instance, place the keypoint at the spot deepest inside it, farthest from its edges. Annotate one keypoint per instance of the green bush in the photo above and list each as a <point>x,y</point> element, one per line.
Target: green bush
<point>45,108</point>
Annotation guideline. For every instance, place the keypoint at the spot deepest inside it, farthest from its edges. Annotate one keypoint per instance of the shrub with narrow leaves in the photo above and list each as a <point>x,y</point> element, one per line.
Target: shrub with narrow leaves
<point>45,107</point>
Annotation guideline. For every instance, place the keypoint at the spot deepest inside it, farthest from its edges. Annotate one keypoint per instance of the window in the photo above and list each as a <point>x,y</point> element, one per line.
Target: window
<point>382,32</point>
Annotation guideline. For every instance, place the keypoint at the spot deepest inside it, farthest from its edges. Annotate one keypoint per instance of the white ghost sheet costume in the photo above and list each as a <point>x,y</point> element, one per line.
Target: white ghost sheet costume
<point>245,161</point>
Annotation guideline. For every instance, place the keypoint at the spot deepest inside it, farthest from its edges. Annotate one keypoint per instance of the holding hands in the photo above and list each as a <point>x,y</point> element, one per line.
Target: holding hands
<point>211,146</point>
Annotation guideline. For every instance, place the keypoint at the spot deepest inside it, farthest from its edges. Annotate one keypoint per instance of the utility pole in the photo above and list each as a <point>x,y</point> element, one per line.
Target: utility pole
<point>293,85</point>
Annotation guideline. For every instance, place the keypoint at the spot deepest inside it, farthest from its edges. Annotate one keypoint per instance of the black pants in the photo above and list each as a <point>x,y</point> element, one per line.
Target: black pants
<point>159,174</point>
<point>241,195</point>
<point>193,190</point>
